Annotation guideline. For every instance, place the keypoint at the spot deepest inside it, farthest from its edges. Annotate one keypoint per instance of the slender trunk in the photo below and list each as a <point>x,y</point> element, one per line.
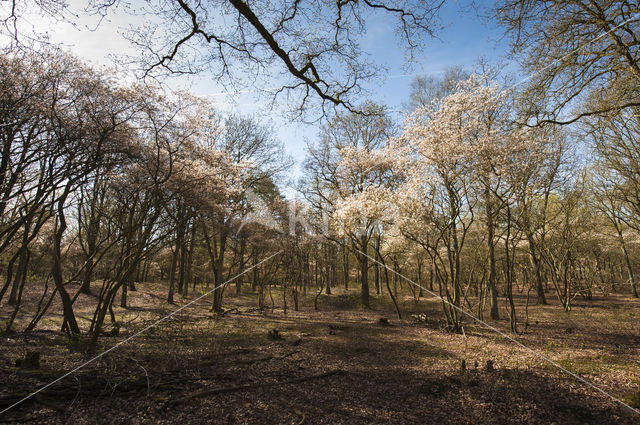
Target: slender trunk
<point>326,270</point>
<point>315,273</point>
<point>123,296</point>
<point>491,284</point>
<point>218,269</point>
<point>145,270</point>
<point>431,279</point>
<point>41,311</point>
<point>243,245</point>
<point>627,261</point>
<point>101,314</point>
<point>284,296</point>
<point>182,266</point>
<point>376,270</point>
<point>327,280</point>
<point>345,259</point>
<point>9,276</point>
<point>172,275</point>
<point>126,266</point>
<point>189,266</point>
<point>364,271</point>
<point>19,297</point>
<point>69,319</point>
<point>509,275</point>
<point>454,270</point>
<point>254,281</point>
<point>420,294</point>
<point>537,269</point>
<point>396,273</point>
<point>376,276</point>
<point>85,288</point>
<point>386,278</point>
<point>305,273</point>
<point>21,272</point>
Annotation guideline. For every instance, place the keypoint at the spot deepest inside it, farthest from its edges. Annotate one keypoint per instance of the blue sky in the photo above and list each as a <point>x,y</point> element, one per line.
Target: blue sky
<point>464,38</point>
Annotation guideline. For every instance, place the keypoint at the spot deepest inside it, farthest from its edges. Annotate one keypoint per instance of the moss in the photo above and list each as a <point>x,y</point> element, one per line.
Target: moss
<point>632,400</point>
<point>580,366</point>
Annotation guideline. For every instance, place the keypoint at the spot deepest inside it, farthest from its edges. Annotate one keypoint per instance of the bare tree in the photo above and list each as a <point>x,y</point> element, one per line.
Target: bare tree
<point>312,49</point>
<point>570,48</point>
<point>428,88</point>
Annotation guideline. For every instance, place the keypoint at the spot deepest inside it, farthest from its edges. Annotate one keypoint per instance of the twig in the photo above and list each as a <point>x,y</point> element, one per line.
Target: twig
<point>145,373</point>
<point>50,405</point>
<point>235,388</point>
<point>300,413</point>
<point>289,354</point>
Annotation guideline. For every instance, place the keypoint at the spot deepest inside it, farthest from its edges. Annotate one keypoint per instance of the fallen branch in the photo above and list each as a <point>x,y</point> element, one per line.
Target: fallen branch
<point>62,393</point>
<point>250,361</point>
<point>235,388</point>
<point>288,355</point>
<point>229,311</point>
<point>239,362</point>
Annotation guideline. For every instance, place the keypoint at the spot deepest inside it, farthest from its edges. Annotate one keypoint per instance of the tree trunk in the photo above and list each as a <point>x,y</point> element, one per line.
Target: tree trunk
<point>386,278</point>
<point>327,279</point>
<point>491,284</point>
<point>70,324</point>
<point>189,266</point>
<point>513,323</point>
<point>182,266</point>
<point>535,261</point>
<point>219,265</point>
<point>9,275</point>
<point>254,280</point>
<point>172,275</point>
<point>85,288</point>
<point>420,294</point>
<point>123,296</point>
<point>306,273</point>
<point>21,272</point>
<point>376,270</point>
<point>431,278</point>
<point>627,261</point>
<point>364,271</point>
<point>345,259</point>
<point>243,245</point>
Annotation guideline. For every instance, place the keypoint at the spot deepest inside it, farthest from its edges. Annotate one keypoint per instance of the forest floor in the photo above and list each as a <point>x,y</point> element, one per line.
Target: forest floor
<point>340,364</point>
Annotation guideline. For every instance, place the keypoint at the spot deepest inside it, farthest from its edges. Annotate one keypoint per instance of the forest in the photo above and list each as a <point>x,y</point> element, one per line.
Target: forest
<point>472,259</point>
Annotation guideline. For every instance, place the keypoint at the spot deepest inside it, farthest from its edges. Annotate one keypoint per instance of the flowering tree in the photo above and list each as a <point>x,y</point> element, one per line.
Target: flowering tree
<point>463,156</point>
<point>346,173</point>
<point>435,208</point>
<point>254,159</point>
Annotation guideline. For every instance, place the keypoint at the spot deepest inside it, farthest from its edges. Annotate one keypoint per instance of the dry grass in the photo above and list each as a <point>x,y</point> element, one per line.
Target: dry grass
<point>408,372</point>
